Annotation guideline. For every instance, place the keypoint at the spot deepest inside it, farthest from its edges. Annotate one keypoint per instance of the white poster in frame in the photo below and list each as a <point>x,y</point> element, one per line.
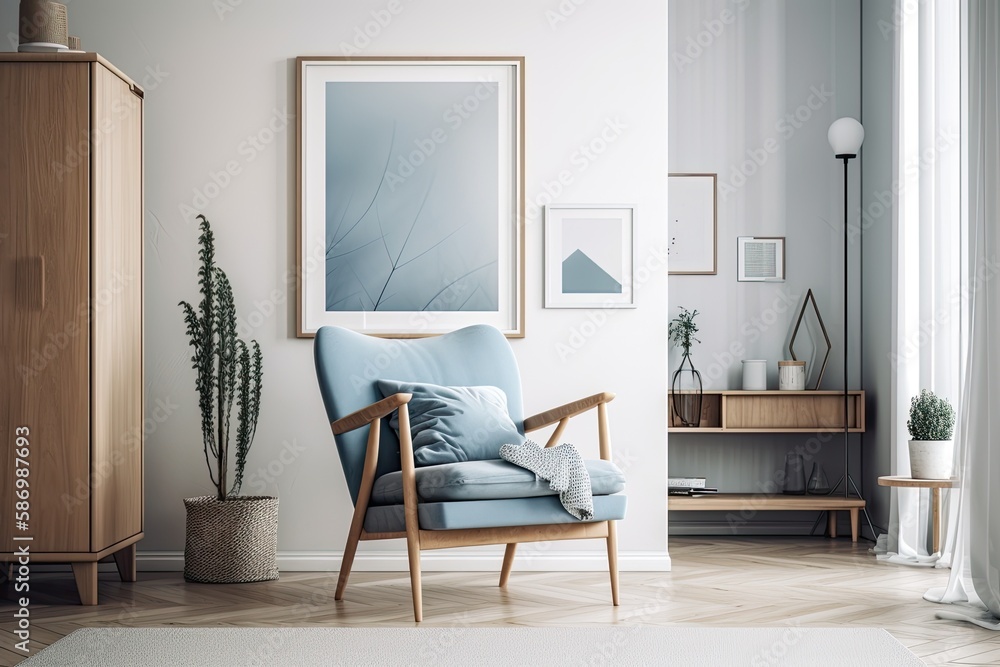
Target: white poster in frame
<point>590,256</point>
<point>411,205</point>
<point>692,211</point>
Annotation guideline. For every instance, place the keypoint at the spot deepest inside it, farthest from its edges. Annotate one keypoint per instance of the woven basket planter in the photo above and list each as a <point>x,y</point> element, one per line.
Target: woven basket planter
<point>232,541</point>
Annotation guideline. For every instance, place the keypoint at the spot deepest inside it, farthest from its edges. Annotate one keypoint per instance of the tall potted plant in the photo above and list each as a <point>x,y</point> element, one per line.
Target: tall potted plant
<point>931,424</point>
<point>229,538</point>
<point>685,385</point>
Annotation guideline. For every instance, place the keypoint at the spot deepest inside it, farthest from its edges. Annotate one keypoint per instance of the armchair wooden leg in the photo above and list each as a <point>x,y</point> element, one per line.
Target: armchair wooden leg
<point>613,560</point>
<point>350,549</point>
<point>508,563</point>
<point>360,509</point>
<point>413,551</point>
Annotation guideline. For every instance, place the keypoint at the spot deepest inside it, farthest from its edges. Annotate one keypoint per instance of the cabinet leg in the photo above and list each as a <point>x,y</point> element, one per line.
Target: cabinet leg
<point>125,560</point>
<point>831,523</point>
<point>86,582</point>
<point>854,524</point>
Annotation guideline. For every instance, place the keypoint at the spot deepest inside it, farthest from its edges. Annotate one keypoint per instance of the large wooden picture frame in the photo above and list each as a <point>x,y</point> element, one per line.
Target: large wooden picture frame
<point>693,224</point>
<point>410,174</point>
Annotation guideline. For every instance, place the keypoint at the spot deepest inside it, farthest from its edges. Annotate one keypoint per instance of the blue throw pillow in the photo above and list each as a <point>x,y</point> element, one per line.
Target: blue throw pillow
<point>453,424</point>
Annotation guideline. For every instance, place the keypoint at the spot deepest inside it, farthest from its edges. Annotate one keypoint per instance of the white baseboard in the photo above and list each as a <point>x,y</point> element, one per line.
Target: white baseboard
<point>436,561</point>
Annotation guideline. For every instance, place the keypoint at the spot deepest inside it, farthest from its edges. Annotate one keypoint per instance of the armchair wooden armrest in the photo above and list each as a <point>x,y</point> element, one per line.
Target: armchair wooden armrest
<point>543,419</point>
<point>563,413</point>
<point>365,415</point>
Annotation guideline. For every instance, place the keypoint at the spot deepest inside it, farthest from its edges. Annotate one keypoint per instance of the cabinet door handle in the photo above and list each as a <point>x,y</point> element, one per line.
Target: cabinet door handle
<point>29,283</point>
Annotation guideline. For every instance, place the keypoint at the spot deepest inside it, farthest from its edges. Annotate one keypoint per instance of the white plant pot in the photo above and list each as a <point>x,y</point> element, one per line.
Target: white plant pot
<point>931,459</point>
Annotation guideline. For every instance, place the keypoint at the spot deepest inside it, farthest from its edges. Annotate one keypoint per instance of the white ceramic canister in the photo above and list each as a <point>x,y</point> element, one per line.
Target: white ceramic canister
<point>754,374</point>
<point>791,375</point>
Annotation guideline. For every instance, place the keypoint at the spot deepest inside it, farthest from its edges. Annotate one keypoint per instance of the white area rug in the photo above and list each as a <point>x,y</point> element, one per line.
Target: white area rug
<point>472,647</point>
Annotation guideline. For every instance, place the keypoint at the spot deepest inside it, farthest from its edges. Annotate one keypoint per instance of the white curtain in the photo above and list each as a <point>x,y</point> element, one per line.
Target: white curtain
<point>928,297</point>
<point>975,581</point>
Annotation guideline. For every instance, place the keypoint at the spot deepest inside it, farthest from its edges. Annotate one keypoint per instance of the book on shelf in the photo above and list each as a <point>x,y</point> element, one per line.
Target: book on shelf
<point>691,491</point>
<point>688,482</point>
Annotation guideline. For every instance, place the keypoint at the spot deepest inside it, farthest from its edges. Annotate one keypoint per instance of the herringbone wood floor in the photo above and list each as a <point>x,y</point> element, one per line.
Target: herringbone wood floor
<point>715,581</point>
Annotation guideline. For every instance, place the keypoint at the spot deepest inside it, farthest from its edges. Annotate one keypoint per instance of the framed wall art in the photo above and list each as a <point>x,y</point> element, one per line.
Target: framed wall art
<point>589,256</point>
<point>760,258</point>
<point>692,212</point>
<point>411,194</point>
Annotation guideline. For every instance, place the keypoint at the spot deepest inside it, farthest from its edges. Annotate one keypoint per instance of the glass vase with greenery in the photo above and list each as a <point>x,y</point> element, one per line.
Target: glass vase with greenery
<point>685,385</point>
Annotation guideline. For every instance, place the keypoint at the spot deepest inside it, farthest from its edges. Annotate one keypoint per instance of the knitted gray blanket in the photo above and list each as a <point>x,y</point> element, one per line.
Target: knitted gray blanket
<point>562,467</point>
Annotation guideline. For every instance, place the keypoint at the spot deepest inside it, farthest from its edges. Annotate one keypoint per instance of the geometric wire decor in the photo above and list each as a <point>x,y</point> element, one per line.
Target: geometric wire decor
<point>826,337</point>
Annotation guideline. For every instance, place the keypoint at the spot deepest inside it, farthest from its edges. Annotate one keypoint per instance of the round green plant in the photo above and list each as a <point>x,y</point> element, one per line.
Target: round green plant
<point>931,417</point>
<point>683,328</point>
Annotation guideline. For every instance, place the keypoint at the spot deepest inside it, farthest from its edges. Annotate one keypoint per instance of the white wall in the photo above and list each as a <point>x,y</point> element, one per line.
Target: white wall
<point>754,87</point>
<point>218,73</point>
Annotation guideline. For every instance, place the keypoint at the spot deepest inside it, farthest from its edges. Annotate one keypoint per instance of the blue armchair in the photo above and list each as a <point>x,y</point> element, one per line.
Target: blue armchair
<point>394,499</point>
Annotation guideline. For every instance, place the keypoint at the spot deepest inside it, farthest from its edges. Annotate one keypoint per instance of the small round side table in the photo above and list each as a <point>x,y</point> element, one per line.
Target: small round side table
<point>935,485</point>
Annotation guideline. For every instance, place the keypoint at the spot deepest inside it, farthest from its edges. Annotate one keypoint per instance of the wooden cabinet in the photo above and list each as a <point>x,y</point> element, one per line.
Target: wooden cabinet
<point>774,412</point>
<point>71,312</point>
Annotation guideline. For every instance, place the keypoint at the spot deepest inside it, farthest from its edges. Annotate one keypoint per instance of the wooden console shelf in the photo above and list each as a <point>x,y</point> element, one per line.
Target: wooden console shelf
<point>775,412</point>
<point>761,502</point>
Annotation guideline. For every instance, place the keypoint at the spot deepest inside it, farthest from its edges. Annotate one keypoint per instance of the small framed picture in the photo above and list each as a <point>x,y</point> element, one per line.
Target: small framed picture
<point>692,223</point>
<point>589,256</point>
<point>760,258</point>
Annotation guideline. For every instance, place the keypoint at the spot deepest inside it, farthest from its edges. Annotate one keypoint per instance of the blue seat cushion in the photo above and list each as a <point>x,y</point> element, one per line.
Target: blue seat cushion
<point>495,479</point>
<point>541,511</point>
<point>452,424</point>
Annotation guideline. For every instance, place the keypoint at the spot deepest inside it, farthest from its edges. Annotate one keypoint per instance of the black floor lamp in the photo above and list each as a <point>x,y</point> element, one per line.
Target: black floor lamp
<point>846,135</point>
